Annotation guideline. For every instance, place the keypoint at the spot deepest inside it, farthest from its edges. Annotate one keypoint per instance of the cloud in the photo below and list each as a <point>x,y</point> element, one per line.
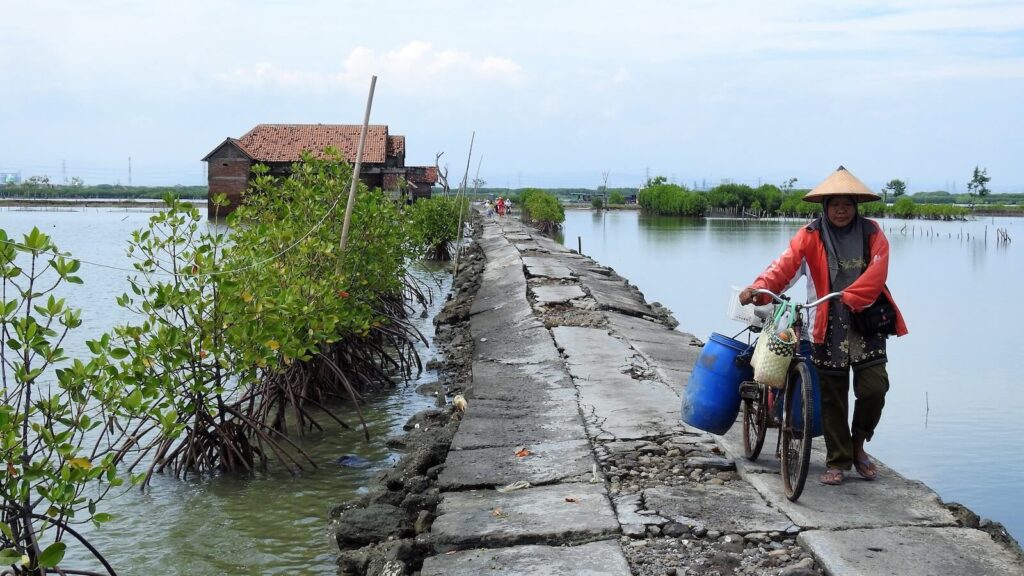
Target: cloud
<point>417,67</point>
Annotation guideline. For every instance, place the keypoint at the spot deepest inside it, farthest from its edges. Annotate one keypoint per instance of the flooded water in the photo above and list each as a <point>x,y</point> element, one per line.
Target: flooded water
<point>271,523</point>
<point>953,417</point>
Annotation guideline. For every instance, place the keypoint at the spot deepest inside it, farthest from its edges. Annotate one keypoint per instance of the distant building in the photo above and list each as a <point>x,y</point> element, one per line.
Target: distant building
<point>10,177</point>
<point>279,145</point>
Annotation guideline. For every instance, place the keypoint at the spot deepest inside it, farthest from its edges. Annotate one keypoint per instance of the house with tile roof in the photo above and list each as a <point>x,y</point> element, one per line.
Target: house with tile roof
<point>279,145</point>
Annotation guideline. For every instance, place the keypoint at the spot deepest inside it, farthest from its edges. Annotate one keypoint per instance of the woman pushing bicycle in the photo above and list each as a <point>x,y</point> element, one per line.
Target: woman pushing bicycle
<point>843,252</point>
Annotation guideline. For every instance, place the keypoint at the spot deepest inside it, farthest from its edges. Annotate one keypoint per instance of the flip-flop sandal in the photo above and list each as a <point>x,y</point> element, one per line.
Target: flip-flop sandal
<point>866,468</point>
<point>832,477</point>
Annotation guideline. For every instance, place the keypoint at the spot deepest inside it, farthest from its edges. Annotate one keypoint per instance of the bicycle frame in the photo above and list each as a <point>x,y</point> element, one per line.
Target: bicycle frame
<point>793,443</point>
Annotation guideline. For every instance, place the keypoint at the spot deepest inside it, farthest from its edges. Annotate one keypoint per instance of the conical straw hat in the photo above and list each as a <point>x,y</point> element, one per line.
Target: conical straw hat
<point>842,183</point>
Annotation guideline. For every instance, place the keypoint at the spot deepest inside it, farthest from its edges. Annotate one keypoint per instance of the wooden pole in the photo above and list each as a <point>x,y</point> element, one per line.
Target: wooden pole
<point>462,192</point>
<point>476,179</point>
<point>465,176</point>
<point>355,171</point>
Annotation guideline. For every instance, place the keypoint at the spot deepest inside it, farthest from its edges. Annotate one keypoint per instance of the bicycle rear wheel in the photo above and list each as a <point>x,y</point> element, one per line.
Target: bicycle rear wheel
<point>755,424</point>
<point>796,439</point>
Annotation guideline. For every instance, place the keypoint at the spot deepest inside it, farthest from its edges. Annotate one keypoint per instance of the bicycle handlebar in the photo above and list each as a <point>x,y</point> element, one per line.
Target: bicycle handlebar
<point>814,304</point>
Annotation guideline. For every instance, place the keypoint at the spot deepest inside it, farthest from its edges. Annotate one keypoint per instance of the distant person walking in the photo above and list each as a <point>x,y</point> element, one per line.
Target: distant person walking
<point>841,251</point>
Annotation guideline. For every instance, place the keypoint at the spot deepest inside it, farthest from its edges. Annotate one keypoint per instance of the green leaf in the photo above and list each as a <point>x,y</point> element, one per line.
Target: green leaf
<point>6,529</point>
<point>134,400</point>
<point>52,556</point>
<point>119,353</point>
<point>102,517</point>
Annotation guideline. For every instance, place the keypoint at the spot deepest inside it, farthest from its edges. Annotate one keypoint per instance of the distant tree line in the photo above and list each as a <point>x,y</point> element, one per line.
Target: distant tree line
<point>564,194</point>
<point>768,200</point>
<point>40,187</point>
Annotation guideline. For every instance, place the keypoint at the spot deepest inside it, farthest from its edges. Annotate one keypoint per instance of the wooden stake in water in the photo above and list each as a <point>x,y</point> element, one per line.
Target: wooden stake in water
<point>355,171</point>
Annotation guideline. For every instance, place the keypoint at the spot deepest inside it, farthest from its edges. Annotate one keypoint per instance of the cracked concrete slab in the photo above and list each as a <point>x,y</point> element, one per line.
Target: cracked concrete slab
<point>910,550</point>
<point>520,382</point>
<point>612,401</point>
<point>525,341</point>
<point>891,500</point>
<point>528,247</point>
<point>489,428</point>
<point>556,247</point>
<point>730,508</point>
<point>546,267</point>
<point>612,294</point>
<point>489,467</point>
<point>555,403</point>
<point>669,352</point>
<point>562,513</point>
<point>602,558</point>
<point>557,294</point>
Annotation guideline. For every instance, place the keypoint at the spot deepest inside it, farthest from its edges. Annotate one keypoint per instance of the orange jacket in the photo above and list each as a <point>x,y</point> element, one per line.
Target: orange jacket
<point>807,246</point>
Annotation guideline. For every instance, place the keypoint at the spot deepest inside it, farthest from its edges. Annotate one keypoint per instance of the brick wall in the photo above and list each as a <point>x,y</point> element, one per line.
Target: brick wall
<point>391,181</point>
<point>228,173</point>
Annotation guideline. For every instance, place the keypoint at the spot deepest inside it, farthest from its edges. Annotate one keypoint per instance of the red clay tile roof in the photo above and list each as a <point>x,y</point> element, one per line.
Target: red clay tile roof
<point>396,146</point>
<point>421,174</point>
<point>285,142</point>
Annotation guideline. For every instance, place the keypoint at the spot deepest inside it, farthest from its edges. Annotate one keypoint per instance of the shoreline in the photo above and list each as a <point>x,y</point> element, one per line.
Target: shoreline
<point>89,203</point>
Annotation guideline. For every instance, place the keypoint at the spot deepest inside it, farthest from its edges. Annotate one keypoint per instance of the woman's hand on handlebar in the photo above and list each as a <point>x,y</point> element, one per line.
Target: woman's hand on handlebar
<point>747,295</point>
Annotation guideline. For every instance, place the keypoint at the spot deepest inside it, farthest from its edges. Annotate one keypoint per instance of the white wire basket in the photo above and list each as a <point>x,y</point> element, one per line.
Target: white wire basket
<point>750,315</point>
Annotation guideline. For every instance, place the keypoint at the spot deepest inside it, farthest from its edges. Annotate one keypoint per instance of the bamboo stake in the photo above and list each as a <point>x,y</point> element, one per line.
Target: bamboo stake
<point>465,176</point>
<point>355,171</point>
<point>462,191</point>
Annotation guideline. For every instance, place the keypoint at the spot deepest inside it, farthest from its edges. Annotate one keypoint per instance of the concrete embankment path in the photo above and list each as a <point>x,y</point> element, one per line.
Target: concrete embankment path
<point>570,458</point>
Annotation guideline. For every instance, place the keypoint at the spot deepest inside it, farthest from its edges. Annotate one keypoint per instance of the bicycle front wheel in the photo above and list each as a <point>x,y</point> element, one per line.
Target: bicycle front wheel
<point>796,430</point>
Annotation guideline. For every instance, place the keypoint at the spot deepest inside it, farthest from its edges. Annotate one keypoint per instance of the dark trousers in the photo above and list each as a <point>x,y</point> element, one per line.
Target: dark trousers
<point>869,387</point>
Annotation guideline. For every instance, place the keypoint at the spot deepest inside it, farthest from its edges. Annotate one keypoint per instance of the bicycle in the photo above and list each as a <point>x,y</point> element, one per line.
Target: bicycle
<point>793,445</point>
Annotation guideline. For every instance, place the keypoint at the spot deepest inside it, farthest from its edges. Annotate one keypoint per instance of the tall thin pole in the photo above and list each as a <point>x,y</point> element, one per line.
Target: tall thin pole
<point>355,171</point>
<point>465,176</point>
<point>458,202</point>
<point>476,179</point>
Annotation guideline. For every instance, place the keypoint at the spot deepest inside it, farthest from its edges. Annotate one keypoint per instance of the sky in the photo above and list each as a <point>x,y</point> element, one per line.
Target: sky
<point>558,93</point>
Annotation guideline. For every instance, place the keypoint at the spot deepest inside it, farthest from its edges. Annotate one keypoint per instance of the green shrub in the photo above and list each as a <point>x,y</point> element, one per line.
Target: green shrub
<point>904,207</point>
<point>616,198</point>
<point>671,199</point>
<point>435,224</point>
<point>542,210</point>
